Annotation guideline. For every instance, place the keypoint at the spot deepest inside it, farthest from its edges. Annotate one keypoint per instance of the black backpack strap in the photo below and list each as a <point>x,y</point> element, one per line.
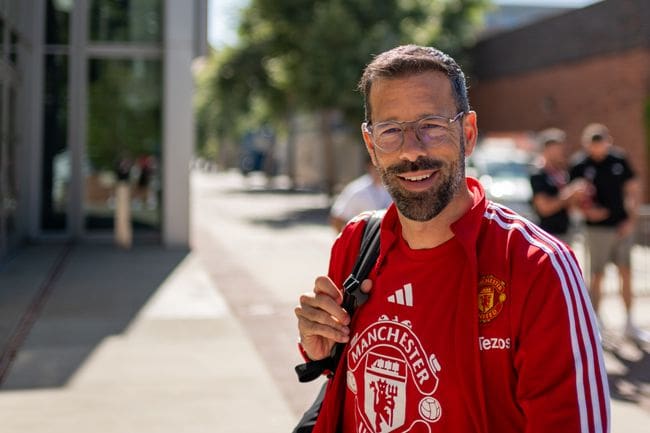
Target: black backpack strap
<point>368,253</point>
<point>308,420</point>
<point>353,297</point>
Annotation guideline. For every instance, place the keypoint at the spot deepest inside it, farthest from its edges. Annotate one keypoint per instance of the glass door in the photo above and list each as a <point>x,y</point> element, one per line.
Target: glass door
<point>9,43</point>
<point>102,115</point>
<point>123,142</point>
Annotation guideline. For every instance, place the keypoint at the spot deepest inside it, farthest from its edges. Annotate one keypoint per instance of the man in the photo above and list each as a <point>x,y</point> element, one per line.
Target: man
<point>476,321</point>
<point>362,194</point>
<point>611,213</point>
<point>553,196</point>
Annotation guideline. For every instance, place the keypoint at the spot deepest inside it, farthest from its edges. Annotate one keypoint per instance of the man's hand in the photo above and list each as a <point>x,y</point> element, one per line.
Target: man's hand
<point>322,322</point>
<point>577,192</point>
<point>596,213</point>
<point>626,228</point>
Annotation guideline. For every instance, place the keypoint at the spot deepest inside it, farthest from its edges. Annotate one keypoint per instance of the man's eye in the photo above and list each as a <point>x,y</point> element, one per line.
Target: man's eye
<point>430,126</point>
<point>390,131</point>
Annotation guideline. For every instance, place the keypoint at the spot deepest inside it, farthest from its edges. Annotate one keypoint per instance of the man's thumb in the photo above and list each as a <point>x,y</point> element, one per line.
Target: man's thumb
<point>366,286</point>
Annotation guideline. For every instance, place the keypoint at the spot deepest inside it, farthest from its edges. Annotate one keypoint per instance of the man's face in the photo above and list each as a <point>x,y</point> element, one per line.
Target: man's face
<point>422,180</point>
<point>598,149</point>
<point>555,153</point>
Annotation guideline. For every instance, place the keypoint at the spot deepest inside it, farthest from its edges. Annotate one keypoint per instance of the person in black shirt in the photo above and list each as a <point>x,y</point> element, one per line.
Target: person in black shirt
<point>552,194</point>
<point>610,212</point>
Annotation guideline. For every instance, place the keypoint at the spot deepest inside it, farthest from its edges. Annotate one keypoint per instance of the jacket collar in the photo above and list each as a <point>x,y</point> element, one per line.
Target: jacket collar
<point>466,228</point>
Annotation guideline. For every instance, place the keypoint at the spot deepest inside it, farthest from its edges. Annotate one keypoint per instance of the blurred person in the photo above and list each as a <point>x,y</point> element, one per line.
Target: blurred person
<point>123,230</point>
<point>146,165</point>
<point>611,213</point>
<point>362,194</point>
<point>553,195</point>
<point>477,320</point>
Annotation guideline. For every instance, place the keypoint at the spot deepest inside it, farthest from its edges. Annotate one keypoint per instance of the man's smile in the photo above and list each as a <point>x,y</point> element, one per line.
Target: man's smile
<point>417,181</point>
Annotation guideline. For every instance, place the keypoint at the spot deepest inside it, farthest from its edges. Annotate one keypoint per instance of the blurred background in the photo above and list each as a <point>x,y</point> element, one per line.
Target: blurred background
<point>232,125</point>
<point>269,87</point>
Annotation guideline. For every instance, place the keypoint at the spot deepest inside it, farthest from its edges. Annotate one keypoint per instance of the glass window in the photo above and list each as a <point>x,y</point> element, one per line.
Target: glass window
<point>3,170</point>
<point>11,197</point>
<point>2,37</point>
<point>56,158</point>
<point>13,51</point>
<point>57,27</point>
<point>125,20</point>
<point>124,141</point>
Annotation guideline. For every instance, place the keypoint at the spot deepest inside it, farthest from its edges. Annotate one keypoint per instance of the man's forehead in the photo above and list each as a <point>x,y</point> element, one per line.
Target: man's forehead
<point>430,88</point>
<point>432,78</point>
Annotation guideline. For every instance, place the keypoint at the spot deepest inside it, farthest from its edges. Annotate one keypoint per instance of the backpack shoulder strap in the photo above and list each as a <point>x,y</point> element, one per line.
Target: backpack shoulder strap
<point>353,297</point>
<point>368,253</point>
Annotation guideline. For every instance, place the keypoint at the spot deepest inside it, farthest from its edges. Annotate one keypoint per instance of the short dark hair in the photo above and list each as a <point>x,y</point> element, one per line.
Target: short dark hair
<point>408,60</point>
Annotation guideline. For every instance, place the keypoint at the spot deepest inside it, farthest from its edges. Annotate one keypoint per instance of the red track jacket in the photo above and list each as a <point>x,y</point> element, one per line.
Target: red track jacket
<point>523,338</point>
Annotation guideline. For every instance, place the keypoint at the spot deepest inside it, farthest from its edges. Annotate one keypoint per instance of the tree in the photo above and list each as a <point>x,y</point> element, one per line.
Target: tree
<point>307,55</point>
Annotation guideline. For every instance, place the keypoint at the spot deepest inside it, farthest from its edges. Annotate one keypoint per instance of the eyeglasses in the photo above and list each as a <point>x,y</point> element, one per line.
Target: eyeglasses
<point>430,131</point>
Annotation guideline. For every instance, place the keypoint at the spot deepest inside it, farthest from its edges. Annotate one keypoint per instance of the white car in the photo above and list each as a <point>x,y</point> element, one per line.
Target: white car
<point>504,172</point>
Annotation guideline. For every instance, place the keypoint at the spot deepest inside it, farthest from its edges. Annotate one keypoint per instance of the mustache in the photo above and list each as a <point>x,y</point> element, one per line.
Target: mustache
<point>422,163</point>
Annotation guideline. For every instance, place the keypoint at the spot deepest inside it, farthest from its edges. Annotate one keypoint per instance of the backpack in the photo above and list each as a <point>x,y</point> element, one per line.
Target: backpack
<point>353,298</point>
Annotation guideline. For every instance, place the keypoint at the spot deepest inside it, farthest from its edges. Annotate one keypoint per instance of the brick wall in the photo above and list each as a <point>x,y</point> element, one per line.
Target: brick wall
<point>609,88</point>
<point>604,28</point>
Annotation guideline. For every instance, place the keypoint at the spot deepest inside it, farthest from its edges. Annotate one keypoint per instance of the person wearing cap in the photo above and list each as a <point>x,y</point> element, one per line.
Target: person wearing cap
<point>610,213</point>
<point>553,195</point>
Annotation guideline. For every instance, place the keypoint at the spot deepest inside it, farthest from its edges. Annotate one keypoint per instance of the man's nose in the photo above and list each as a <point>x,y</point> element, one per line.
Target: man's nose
<point>412,147</point>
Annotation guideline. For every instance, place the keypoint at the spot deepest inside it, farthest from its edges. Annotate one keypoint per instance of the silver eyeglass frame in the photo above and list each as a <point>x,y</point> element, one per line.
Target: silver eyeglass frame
<point>368,127</point>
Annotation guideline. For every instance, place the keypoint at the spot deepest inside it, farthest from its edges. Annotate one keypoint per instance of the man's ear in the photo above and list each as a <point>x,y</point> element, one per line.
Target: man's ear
<point>370,147</point>
<point>470,130</point>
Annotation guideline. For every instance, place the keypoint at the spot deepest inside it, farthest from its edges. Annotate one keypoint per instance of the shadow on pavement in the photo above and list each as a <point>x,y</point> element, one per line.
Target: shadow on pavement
<point>273,190</point>
<point>97,293</point>
<point>629,380</point>
<point>314,216</point>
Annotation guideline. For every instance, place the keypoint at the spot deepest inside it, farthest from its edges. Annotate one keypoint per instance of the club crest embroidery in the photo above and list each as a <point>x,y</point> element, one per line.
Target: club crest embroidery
<point>491,296</point>
<point>384,360</point>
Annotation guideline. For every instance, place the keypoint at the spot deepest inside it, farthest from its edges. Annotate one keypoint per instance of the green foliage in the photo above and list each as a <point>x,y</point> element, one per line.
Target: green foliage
<point>308,55</point>
<point>124,110</point>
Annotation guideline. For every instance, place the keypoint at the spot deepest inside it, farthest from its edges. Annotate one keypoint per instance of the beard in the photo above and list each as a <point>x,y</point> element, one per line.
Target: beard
<point>426,205</point>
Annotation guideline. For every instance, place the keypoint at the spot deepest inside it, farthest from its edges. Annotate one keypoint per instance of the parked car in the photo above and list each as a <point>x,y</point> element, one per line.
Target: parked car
<point>504,172</point>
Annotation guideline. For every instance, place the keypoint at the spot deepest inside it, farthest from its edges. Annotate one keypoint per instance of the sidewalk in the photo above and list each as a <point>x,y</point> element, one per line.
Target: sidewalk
<point>136,341</point>
<point>142,341</point>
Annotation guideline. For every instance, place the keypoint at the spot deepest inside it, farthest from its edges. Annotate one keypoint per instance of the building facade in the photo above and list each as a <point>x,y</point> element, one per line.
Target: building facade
<point>587,65</point>
<point>93,93</point>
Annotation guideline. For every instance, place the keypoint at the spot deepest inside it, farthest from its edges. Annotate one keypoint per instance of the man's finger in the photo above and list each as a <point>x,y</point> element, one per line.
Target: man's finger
<point>324,285</point>
<point>308,329</point>
<point>321,316</point>
<point>366,286</point>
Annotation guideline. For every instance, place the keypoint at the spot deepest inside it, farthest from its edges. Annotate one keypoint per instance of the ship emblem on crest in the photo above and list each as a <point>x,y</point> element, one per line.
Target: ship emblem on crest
<point>491,297</point>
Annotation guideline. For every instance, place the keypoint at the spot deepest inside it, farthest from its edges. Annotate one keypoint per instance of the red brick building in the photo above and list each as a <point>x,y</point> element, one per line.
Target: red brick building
<point>587,65</point>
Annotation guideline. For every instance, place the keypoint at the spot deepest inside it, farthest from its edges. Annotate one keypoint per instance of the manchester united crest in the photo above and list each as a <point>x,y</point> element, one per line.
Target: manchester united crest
<point>393,380</point>
<point>491,296</point>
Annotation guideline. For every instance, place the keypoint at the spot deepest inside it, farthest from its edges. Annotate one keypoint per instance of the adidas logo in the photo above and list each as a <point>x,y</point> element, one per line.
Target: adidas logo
<point>403,296</point>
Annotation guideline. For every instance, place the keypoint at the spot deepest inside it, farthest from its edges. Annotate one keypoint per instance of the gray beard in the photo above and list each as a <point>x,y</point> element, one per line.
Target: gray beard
<point>425,206</point>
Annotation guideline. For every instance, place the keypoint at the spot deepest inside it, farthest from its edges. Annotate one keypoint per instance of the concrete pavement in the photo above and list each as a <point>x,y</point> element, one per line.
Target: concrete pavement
<point>155,340</point>
<point>137,341</point>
